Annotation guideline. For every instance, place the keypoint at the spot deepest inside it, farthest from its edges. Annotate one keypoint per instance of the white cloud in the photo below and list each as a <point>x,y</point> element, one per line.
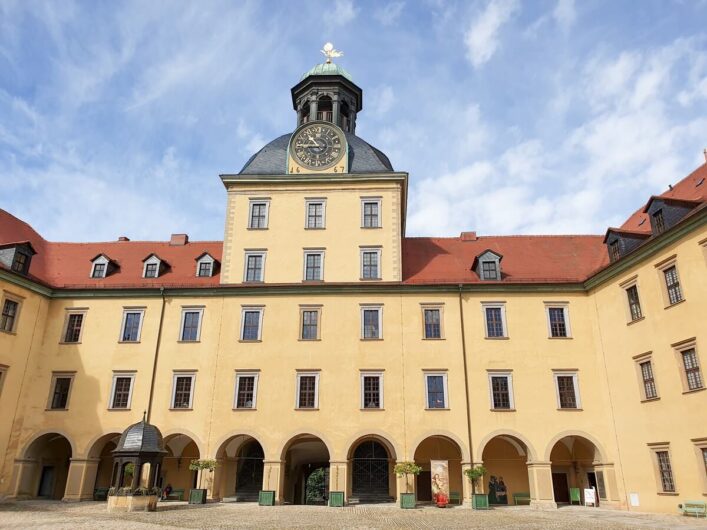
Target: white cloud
<point>565,14</point>
<point>389,14</point>
<point>382,100</point>
<point>482,37</point>
<point>344,12</point>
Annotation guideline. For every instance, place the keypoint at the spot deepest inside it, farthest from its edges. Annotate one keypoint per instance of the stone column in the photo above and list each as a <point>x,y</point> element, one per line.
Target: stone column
<point>613,499</point>
<point>313,106</point>
<point>335,111</point>
<point>273,478</point>
<point>81,479</point>
<point>24,478</point>
<point>338,479</point>
<point>219,479</point>
<point>542,496</point>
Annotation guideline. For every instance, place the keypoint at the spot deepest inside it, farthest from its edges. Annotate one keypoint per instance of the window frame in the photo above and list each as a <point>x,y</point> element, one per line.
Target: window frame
<point>372,307</point>
<point>376,200</point>
<point>65,327</point>
<point>240,374</point>
<point>100,260</point>
<point>379,254</point>
<point>191,309</point>
<point>204,260</point>
<point>639,360</point>
<point>313,252</point>
<point>495,305</point>
<point>371,373</point>
<point>508,375</point>
<point>566,313</point>
<point>6,296</point>
<point>662,267</point>
<point>116,376</point>
<point>256,201</point>
<point>655,450</point>
<point>260,309</point>
<point>495,264</point>
<point>574,374</point>
<point>309,308</point>
<point>445,388</point>
<point>4,369</point>
<point>175,375</point>
<point>52,389</point>
<point>252,253</point>
<point>25,260</point>
<point>432,307</point>
<point>299,376</point>
<point>152,260</point>
<point>311,201</point>
<point>700,446</point>
<point>680,348</point>
<point>124,321</point>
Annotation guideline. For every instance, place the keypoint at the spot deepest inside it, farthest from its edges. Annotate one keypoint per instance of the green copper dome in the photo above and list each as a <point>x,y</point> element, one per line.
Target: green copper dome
<point>328,69</point>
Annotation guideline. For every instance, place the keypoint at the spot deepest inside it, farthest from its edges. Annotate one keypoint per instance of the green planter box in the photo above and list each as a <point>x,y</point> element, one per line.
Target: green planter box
<point>266,498</point>
<point>480,501</point>
<point>336,499</point>
<point>407,500</point>
<point>197,496</point>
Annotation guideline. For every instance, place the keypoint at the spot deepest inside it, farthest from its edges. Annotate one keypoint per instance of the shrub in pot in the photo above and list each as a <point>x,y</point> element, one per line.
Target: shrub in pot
<point>406,469</point>
<point>479,501</point>
<point>198,496</point>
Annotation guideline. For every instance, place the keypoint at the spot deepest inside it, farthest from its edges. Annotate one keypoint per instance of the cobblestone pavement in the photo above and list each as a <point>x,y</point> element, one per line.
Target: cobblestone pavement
<point>58,515</point>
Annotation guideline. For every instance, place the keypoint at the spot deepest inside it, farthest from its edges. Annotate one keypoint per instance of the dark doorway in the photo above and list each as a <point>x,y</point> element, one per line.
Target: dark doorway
<point>560,487</point>
<point>370,472</point>
<point>424,486</point>
<point>592,480</point>
<point>249,475</point>
<point>46,482</point>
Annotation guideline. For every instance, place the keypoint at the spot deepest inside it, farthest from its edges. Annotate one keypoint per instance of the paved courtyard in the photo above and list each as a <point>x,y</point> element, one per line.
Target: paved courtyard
<point>57,515</point>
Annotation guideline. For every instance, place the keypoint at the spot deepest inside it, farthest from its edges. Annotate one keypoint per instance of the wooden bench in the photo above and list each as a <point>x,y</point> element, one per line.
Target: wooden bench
<point>175,495</point>
<point>521,497</point>
<point>100,494</point>
<point>455,497</point>
<point>696,508</point>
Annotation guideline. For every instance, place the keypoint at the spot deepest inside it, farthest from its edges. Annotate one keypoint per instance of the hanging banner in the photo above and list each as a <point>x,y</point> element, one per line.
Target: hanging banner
<point>439,471</point>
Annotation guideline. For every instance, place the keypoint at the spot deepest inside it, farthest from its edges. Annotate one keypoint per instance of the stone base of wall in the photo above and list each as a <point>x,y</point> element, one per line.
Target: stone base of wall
<point>543,505</point>
<point>132,503</point>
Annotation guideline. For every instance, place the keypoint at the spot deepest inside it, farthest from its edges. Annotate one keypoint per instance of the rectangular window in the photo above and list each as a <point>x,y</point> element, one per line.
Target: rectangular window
<point>558,321</point>
<point>191,324</point>
<point>307,391</point>
<point>370,264</point>
<point>122,391</point>
<point>495,317</point>
<point>132,325</point>
<point>151,270</point>
<point>258,215</point>
<point>501,391</point>
<point>8,319</point>
<point>313,265</point>
<point>601,486</point>
<point>649,388</point>
<point>251,320</point>
<point>315,214</point>
<point>489,270</point>
<point>614,251</point>
<point>567,391</point>
<point>205,268</point>
<point>634,304</point>
<point>692,369</point>
<point>436,391</point>
<point>672,284</point>
<point>666,472</point>
<point>183,391</point>
<point>433,323</point>
<point>61,386</point>
<point>73,327</point>
<point>19,263</point>
<point>246,390</point>
<point>371,391</point>
<point>659,222</point>
<point>99,270</point>
<point>254,264</point>
<point>371,322</point>
<point>310,324</point>
<point>370,213</point>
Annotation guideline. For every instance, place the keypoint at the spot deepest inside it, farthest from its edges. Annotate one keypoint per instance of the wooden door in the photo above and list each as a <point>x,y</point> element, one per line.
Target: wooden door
<point>560,487</point>
<point>423,486</point>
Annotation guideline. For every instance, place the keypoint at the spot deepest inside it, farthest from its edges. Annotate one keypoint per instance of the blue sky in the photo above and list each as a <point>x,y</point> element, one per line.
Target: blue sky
<point>553,116</point>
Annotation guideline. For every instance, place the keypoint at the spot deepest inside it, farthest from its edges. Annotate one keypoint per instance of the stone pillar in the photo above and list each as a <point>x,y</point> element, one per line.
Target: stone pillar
<point>24,478</point>
<point>274,478</point>
<point>219,479</point>
<point>542,496</point>
<point>81,479</point>
<point>338,479</point>
<point>466,484</point>
<point>335,111</point>
<point>613,499</point>
<point>313,106</point>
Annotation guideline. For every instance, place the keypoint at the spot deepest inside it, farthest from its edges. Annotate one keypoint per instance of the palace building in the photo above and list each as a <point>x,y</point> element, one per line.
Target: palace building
<point>317,335</point>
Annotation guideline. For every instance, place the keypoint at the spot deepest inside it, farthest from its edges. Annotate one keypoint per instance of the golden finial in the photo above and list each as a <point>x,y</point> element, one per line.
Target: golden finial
<point>330,52</point>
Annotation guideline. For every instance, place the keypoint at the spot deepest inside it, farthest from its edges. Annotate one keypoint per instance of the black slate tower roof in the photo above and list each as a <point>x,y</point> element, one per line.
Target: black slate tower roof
<point>141,437</point>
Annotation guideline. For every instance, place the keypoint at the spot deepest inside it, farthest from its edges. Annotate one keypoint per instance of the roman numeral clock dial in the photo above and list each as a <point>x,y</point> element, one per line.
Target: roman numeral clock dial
<point>318,146</point>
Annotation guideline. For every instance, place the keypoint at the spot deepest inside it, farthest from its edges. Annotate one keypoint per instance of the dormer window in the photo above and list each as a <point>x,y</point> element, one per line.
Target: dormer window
<point>205,265</point>
<point>614,251</point>
<point>17,256</point>
<point>489,270</point>
<point>658,222</point>
<point>487,266</point>
<point>151,270</point>
<point>99,270</point>
<point>19,263</point>
<point>153,267</point>
<point>101,267</point>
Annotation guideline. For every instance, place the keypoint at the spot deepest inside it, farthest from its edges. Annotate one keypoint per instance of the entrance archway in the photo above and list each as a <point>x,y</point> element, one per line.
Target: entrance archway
<point>239,477</point>
<point>102,450</point>
<point>181,450</point>
<point>46,479</point>
<point>371,468</point>
<point>505,458</point>
<point>437,448</point>
<point>576,464</point>
<point>306,472</point>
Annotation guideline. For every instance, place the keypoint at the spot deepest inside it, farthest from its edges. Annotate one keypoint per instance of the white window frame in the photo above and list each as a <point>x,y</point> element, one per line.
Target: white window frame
<point>102,260</point>
<point>152,259</point>
<point>575,382</point>
<point>206,258</point>
<point>116,375</point>
<point>18,300</point>
<point>379,308</point>
<point>427,374</point>
<point>502,307</point>
<point>378,251</point>
<point>377,200</point>
<point>565,306</point>
<point>191,309</point>
<point>316,390</point>
<point>52,388</point>
<point>315,309</point>
<point>511,399</point>
<point>379,375</point>
<point>252,309</point>
<point>249,253</point>
<point>73,311</point>
<point>175,375</point>
<point>307,202</point>
<point>127,310</point>
<point>310,252</point>
<point>239,375</point>
<point>253,201</point>
<point>433,307</point>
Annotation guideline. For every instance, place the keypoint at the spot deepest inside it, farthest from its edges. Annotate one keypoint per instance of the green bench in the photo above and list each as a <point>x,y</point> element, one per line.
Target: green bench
<point>176,495</point>
<point>696,508</point>
<point>521,497</point>
<point>100,494</point>
<point>455,497</point>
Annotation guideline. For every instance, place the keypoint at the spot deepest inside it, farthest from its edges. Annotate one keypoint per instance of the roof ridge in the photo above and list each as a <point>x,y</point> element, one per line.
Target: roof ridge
<point>122,243</point>
<point>516,236</point>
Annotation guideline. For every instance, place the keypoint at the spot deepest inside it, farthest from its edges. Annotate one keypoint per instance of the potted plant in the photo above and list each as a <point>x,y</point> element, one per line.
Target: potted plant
<point>405,469</point>
<point>479,501</point>
<point>198,496</point>
<point>128,473</point>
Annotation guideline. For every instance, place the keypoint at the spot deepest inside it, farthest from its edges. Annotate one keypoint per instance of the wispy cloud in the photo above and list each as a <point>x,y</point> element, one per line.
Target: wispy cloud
<point>389,13</point>
<point>482,38</point>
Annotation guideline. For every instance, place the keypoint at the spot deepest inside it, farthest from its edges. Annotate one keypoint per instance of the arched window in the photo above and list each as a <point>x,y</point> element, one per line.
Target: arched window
<point>345,117</point>
<point>304,113</point>
<point>324,108</point>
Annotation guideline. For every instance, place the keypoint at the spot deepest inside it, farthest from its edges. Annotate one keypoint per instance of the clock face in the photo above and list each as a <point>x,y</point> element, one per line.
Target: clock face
<point>318,146</point>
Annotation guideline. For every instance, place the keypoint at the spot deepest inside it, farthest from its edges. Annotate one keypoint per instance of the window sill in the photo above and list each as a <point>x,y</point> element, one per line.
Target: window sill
<point>247,341</point>
<point>180,409</point>
<point>370,279</point>
<point>634,321</point>
<point>128,342</point>
<point>188,341</point>
<point>244,409</point>
<point>253,282</point>
<point>371,227</point>
<point>64,343</point>
<point>694,390</point>
<point>112,409</point>
<point>256,229</point>
<point>668,493</point>
<point>315,227</point>
<point>306,409</point>
<point>496,338</point>
<point>56,410</point>
<point>370,340</point>
<point>309,340</point>
<point>433,338</point>
<point>648,400</point>
<point>560,338</point>
<point>440,408</point>
<point>9,332</point>
<point>676,303</point>
<point>502,410</point>
<point>371,409</point>
<point>570,410</point>
<point>312,282</point>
